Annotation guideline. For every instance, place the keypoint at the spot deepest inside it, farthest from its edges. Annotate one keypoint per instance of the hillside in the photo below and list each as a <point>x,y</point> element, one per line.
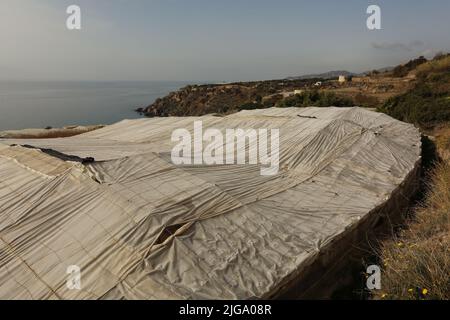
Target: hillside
<point>416,260</point>
<point>368,91</point>
<point>427,103</point>
<point>197,100</point>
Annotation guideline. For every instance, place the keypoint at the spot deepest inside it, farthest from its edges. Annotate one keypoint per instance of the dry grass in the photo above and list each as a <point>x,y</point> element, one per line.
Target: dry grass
<point>442,135</point>
<point>417,261</point>
<point>48,133</point>
<point>434,66</point>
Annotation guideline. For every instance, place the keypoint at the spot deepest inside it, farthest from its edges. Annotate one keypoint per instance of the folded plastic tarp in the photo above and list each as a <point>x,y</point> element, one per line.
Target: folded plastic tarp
<point>140,227</point>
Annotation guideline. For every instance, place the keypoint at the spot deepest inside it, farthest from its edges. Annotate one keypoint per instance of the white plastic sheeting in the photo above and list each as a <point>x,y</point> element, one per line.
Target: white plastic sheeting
<point>140,227</point>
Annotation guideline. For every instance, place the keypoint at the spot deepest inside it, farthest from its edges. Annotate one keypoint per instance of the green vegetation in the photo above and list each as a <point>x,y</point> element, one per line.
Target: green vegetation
<point>315,98</point>
<point>423,105</point>
<point>428,102</point>
<point>196,100</point>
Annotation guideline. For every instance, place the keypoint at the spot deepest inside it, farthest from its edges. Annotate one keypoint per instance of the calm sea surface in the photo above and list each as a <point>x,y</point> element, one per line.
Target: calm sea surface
<point>41,104</point>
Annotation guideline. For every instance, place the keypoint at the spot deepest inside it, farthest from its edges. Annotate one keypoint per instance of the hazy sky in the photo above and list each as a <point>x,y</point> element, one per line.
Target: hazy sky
<point>212,40</point>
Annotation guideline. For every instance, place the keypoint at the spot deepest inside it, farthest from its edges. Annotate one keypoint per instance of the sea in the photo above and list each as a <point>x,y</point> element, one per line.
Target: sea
<point>41,104</point>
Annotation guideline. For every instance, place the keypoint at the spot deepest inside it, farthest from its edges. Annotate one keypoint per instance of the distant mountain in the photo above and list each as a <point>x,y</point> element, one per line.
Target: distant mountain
<point>325,75</point>
<point>386,69</point>
<point>336,74</point>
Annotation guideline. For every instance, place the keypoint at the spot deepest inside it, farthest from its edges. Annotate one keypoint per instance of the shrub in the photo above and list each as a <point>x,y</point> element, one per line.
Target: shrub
<point>438,65</point>
<point>428,102</point>
<point>403,70</point>
<point>424,105</point>
<point>363,100</point>
<point>315,98</point>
